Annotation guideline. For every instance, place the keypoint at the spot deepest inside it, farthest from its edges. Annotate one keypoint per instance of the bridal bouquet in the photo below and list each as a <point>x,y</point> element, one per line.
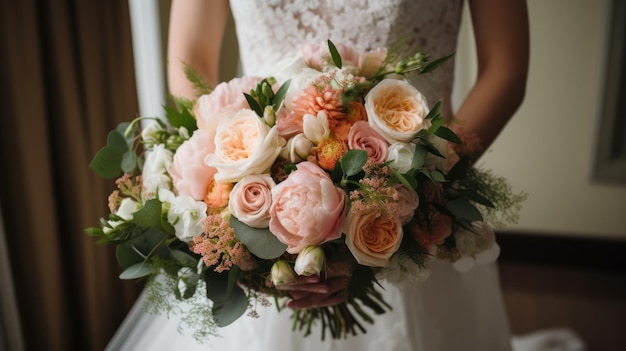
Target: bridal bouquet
<point>334,164</point>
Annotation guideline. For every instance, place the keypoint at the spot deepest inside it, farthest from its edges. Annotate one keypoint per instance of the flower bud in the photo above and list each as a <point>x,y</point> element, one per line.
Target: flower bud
<point>269,115</point>
<point>282,273</point>
<point>310,261</point>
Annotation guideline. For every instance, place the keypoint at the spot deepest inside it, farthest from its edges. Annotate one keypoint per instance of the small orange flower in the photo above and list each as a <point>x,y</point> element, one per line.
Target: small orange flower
<point>218,194</point>
<point>329,151</point>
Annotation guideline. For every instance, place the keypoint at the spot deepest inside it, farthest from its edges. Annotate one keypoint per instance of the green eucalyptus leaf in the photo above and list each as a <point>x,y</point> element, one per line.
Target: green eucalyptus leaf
<point>334,53</point>
<point>227,307</point>
<point>431,148</point>
<point>183,258</point>
<point>149,215</point>
<point>152,242</point>
<point>478,198</point>
<point>463,209</point>
<point>434,111</point>
<point>353,161</point>
<point>459,169</point>
<point>129,161</point>
<point>419,157</point>
<point>94,231</point>
<point>260,241</point>
<point>447,134</point>
<point>436,123</point>
<point>280,95</point>
<point>180,118</point>
<point>107,162</point>
<point>126,256</point>
<point>438,62</point>
<point>254,105</point>
<point>402,179</point>
<point>137,270</point>
<point>438,176</point>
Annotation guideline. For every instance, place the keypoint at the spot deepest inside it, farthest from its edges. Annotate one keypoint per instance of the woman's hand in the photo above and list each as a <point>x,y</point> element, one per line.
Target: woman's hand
<point>328,289</point>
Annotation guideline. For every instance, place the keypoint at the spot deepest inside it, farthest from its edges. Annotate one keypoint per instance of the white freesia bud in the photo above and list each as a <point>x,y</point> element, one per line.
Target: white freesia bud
<point>282,273</point>
<point>126,210</point>
<point>315,128</point>
<point>310,261</point>
<point>150,134</point>
<point>269,115</point>
<point>297,149</point>
<point>401,156</point>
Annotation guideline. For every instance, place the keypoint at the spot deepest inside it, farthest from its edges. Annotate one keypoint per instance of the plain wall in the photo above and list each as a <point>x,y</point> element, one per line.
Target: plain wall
<point>548,148</point>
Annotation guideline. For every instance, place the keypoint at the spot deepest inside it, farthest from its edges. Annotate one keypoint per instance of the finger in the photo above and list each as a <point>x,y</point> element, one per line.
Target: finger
<point>317,300</point>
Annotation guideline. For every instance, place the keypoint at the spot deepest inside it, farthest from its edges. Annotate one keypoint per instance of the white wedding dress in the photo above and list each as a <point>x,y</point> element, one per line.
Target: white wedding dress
<point>450,311</point>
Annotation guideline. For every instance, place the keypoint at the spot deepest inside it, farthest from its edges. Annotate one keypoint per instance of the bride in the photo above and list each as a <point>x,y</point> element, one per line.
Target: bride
<point>450,310</point>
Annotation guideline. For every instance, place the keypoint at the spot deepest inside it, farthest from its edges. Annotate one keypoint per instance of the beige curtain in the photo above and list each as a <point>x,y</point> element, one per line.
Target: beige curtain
<point>66,77</point>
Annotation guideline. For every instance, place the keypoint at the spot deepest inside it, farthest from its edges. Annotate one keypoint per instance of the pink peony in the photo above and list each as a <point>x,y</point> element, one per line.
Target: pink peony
<point>364,137</point>
<point>190,175</point>
<point>226,99</point>
<point>307,208</point>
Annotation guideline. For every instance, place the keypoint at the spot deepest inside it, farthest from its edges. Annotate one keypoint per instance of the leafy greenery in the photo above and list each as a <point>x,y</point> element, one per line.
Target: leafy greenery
<point>260,241</point>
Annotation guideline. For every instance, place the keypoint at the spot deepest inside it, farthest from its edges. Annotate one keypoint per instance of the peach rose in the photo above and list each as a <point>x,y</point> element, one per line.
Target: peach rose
<point>396,110</point>
<point>226,99</point>
<point>364,137</point>
<point>307,208</point>
<point>373,237</point>
<point>190,175</point>
<point>218,194</point>
<point>250,200</point>
<point>244,145</point>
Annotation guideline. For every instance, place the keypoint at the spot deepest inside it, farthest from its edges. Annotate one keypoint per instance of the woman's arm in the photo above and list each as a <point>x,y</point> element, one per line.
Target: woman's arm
<point>195,36</point>
<point>502,42</point>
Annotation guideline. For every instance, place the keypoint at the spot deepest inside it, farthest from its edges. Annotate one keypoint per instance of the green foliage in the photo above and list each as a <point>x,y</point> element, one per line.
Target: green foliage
<point>352,162</point>
<point>436,63</point>
<point>263,96</point>
<point>107,162</point>
<point>260,241</point>
<point>334,54</point>
<point>229,300</point>
<point>180,116</point>
<point>198,81</point>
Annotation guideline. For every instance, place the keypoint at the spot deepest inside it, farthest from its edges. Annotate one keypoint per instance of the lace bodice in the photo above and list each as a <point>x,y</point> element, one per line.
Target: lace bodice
<point>270,30</point>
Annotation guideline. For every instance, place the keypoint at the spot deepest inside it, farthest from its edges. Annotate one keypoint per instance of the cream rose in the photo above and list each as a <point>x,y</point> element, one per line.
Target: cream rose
<point>250,200</point>
<point>396,110</point>
<point>190,175</point>
<point>307,208</point>
<point>244,145</point>
<point>364,137</point>
<point>373,237</point>
<point>297,149</point>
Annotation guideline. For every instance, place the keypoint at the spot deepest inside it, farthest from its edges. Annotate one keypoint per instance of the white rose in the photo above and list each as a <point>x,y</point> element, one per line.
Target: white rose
<point>186,214</point>
<point>244,145</point>
<point>150,132</point>
<point>401,156</point>
<point>154,175</point>
<point>396,110</point>
<point>289,67</point>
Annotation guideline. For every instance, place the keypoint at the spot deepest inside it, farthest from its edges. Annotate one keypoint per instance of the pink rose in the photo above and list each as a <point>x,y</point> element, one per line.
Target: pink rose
<point>250,200</point>
<point>317,55</point>
<point>190,175</point>
<point>396,110</point>
<point>307,208</point>
<point>364,137</point>
<point>373,237</point>
<point>226,99</point>
<point>408,200</point>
